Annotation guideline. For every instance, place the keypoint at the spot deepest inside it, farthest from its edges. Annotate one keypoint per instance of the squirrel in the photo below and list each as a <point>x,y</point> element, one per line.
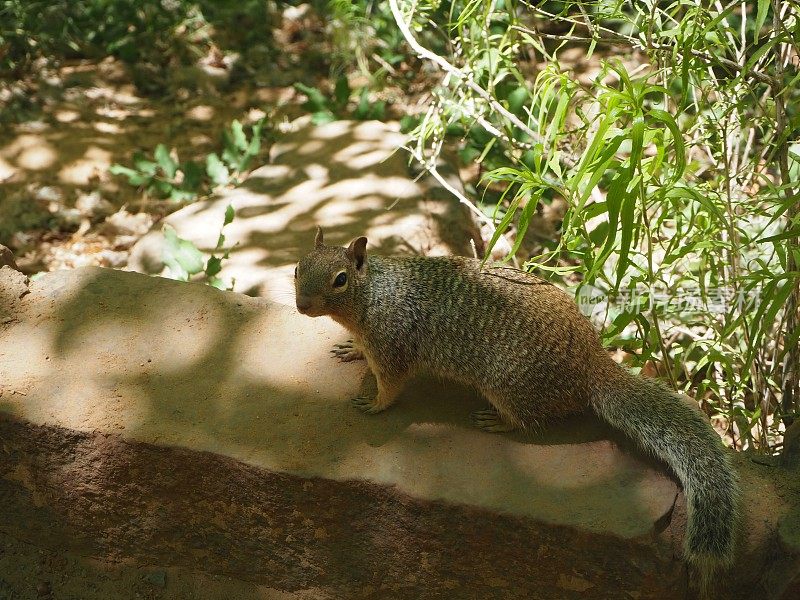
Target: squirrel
<point>525,345</point>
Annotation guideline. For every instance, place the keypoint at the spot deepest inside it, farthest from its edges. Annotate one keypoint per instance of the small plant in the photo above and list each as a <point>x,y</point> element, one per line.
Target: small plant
<point>167,178</point>
<point>365,36</point>
<point>237,152</point>
<point>185,260</point>
<point>325,109</point>
<point>163,176</point>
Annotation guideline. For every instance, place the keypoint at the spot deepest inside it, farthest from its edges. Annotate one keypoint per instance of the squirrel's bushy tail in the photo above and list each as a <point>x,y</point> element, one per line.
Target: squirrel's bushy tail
<point>662,423</point>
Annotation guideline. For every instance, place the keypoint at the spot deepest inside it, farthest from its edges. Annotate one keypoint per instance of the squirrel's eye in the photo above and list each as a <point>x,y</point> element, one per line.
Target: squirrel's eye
<point>295,272</point>
<point>340,280</point>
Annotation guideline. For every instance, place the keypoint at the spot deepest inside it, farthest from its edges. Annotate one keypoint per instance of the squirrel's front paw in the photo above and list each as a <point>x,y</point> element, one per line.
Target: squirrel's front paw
<point>368,405</point>
<point>348,351</point>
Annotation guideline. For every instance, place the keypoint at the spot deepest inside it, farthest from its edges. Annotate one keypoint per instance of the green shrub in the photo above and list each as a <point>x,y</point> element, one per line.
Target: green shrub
<point>678,177</point>
<point>185,261</point>
<point>135,31</point>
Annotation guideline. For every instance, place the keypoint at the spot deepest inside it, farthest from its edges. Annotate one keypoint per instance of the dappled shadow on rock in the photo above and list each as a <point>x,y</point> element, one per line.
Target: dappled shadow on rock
<point>100,496</point>
<point>184,364</point>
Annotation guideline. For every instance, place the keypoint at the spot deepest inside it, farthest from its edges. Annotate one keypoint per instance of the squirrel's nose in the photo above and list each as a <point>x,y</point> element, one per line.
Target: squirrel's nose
<point>303,303</point>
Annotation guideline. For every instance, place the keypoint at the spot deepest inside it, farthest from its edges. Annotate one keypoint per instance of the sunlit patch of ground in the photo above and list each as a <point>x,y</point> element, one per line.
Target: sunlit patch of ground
<point>91,117</point>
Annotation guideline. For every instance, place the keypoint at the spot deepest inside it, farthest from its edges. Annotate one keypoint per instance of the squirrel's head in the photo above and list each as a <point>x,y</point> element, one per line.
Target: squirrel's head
<point>326,278</point>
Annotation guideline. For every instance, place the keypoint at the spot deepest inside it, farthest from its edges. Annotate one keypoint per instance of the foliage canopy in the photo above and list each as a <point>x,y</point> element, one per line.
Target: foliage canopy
<point>669,130</point>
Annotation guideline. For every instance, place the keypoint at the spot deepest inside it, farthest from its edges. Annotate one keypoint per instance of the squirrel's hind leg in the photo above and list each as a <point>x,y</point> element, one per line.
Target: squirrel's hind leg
<point>491,420</point>
<point>503,414</point>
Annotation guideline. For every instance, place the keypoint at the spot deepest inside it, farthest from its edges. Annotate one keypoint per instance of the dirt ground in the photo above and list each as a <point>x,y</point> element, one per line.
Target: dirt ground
<point>66,121</point>
<point>62,207</point>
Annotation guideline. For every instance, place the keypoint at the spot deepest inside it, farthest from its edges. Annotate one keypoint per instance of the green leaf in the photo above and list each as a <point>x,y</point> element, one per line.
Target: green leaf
<point>620,323</point>
<point>181,256</point>
<point>230,156</point>
<point>192,175</point>
<point>362,110</point>
<point>253,148</point>
<point>677,141</point>
<point>341,92</point>
<point>322,117</point>
<point>316,100</point>
<point>615,199</point>
<point>408,123</point>
<point>486,150</point>
<point>791,233</point>
<point>756,56</point>
<point>516,100</point>
<point>165,161</point>
<point>142,164</point>
<point>529,159</point>
<point>597,168</point>
<point>626,236</point>
<point>239,138</point>
<point>592,46</point>
<point>590,155</point>
<point>213,266</point>
<point>180,195</point>
<point>118,169</point>
<point>378,111</point>
<point>637,142</point>
<point>134,177</point>
<point>229,215</point>
<point>558,116</point>
<point>468,154</point>
<point>216,169</point>
<point>504,222</point>
<point>599,234</point>
<point>766,311</point>
<point>216,282</point>
<point>524,220</point>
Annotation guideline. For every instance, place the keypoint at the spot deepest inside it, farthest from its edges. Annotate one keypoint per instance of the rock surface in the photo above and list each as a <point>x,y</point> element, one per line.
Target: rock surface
<point>170,363</point>
<point>350,177</point>
<point>7,258</point>
<point>205,434</point>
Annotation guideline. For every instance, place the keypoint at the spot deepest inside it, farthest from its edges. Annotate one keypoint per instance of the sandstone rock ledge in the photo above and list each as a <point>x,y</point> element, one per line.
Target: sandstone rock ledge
<point>178,441</point>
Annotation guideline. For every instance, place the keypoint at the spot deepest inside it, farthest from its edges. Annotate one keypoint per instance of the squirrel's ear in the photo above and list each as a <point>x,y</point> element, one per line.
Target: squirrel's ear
<point>357,251</point>
<point>318,241</point>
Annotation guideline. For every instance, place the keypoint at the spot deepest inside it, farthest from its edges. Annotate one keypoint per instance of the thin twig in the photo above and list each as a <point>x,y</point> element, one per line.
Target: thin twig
<point>614,37</point>
<point>456,72</point>
<point>431,168</point>
<point>389,68</point>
